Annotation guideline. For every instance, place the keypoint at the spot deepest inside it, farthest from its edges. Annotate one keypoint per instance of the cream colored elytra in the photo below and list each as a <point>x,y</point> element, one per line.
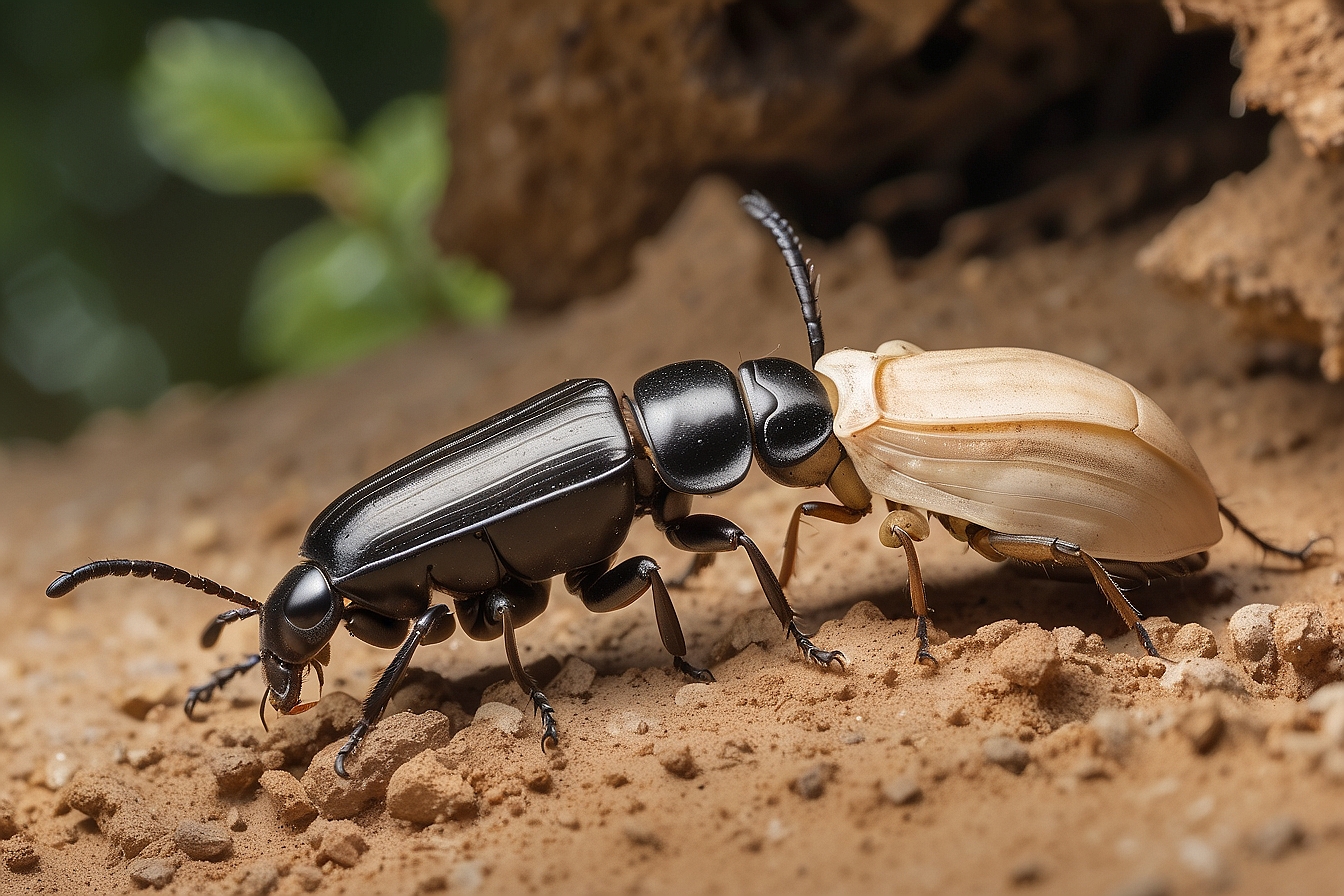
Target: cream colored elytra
<point>1023,442</point>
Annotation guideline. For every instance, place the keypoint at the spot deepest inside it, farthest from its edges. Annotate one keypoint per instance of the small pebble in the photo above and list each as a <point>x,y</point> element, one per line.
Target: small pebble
<point>1007,753</point>
<point>995,633</point>
<point>1326,697</point>
<point>902,791</point>
<point>1194,640</point>
<point>235,820</point>
<point>811,784</point>
<point>424,791</point>
<point>1026,872</point>
<point>60,769</point>
<point>1251,633</point>
<point>308,877</point>
<point>257,880</point>
<point>287,796</point>
<point>575,679</point>
<point>20,856</point>
<point>679,761</point>
<point>1302,634</point>
<point>506,718</point>
<point>342,843</point>
<point>202,840</point>
<point>1199,676</point>
<point>1277,837</point>
<point>642,835</point>
<point>1204,726</point>
<point>9,825</point>
<point>235,770</point>
<point>1114,731</point>
<point>150,872</point>
<point>1029,658</point>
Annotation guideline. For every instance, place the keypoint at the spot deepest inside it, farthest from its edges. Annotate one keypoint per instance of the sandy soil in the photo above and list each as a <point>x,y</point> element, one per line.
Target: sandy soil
<point>1042,755</point>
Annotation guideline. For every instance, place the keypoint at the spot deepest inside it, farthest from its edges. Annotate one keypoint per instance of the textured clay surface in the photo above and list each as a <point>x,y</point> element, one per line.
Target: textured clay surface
<point>1044,754</point>
<point>1269,245</point>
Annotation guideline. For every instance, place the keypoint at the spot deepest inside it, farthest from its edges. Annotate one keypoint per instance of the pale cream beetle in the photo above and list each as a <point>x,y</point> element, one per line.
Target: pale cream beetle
<point>1024,455</point>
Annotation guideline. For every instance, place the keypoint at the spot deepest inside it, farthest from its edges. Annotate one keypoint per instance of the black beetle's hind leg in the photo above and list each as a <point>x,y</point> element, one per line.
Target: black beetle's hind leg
<point>374,704</point>
<point>703,533</point>
<point>524,681</point>
<point>1302,555</point>
<point>1039,549</point>
<point>205,693</point>
<point>603,590</point>
<point>698,564</point>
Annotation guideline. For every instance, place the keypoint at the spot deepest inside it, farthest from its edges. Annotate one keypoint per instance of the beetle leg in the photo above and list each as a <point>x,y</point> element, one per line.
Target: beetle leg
<point>524,681</point>
<point>212,631</point>
<point>901,529</point>
<point>603,590</point>
<point>1040,549</point>
<point>836,513</point>
<point>703,533</point>
<point>1303,555</point>
<point>204,693</point>
<point>376,701</point>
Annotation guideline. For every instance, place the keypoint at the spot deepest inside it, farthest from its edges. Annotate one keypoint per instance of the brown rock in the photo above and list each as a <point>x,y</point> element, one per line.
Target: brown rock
<point>1029,658</point>
<point>811,784</point>
<point>679,761</point>
<point>423,791</point>
<point>118,809</point>
<point>287,796</point>
<point>1194,640</point>
<point>1302,636</point>
<point>152,872</point>
<point>342,843</point>
<point>235,770</point>
<point>1251,631</point>
<point>9,824</point>
<point>202,840</point>
<point>575,679</point>
<point>902,791</point>
<point>1204,726</point>
<point>1007,753</point>
<point>257,880</point>
<point>387,747</point>
<point>1277,837</point>
<point>20,856</point>
<point>300,737</point>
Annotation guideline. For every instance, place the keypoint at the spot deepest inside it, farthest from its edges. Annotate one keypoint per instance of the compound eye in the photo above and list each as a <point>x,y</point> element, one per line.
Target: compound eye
<point>310,599</point>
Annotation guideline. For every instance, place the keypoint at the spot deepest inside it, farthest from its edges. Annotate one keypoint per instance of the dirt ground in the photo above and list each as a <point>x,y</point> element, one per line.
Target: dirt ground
<point>1043,755</point>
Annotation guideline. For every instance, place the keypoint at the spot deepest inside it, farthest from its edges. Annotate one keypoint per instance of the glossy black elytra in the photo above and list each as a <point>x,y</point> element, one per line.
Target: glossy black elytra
<point>490,514</point>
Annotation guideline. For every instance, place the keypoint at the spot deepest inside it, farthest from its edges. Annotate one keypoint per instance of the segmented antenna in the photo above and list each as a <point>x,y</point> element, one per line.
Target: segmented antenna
<point>800,268</point>
<point>69,581</point>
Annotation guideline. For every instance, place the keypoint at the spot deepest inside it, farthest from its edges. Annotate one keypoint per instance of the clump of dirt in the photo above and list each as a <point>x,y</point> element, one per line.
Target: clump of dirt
<point>1044,752</point>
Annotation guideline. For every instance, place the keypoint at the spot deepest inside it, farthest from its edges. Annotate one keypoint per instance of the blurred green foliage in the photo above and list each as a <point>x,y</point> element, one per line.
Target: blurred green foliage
<point>117,280</point>
<point>240,110</point>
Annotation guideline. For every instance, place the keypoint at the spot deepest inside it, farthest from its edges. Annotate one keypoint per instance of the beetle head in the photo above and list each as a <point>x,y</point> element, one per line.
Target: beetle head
<point>297,623</point>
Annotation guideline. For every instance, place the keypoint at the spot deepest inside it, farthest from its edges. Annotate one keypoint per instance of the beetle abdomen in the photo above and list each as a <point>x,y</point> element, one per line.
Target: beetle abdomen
<point>1026,443</point>
<point>546,462</point>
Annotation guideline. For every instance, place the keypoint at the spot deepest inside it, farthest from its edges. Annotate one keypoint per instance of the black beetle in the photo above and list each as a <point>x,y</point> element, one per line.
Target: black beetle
<point>490,514</point>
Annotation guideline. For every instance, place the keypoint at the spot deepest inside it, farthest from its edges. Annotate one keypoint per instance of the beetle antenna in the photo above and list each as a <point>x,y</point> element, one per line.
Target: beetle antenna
<point>69,581</point>
<point>800,268</point>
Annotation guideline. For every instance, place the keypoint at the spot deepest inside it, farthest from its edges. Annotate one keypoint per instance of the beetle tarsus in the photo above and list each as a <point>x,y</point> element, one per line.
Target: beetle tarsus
<point>692,672</point>
<point>351,744</point>
<point>548,730</point>
<point>205,693</point>
<point>814,653</point>
<point>922,656</point>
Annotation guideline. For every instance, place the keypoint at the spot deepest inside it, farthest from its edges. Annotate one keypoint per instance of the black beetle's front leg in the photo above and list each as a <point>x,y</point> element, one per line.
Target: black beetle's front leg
<point>429,628</point>
<point>205,692</point>
<point>705,533</point>
<point>603,590</point>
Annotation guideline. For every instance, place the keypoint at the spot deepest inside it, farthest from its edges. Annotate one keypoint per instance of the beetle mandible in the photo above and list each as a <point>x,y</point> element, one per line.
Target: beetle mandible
<point>1024,455</point>
<point>490,514</point>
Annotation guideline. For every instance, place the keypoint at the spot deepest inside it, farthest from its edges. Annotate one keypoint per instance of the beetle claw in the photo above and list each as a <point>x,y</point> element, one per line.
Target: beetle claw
<point>926,659</point>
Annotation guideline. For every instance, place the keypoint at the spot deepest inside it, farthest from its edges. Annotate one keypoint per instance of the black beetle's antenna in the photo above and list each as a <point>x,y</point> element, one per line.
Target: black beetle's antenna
<point>69,581</point>
<point>800,268</point>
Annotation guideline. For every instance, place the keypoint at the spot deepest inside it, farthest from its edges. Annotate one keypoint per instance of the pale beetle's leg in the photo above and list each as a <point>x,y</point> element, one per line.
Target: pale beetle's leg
<point>901,529</point>
<point>1041,549</point>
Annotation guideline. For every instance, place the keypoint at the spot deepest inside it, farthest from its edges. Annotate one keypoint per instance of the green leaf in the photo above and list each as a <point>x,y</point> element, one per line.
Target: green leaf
<point>235,109</point>
<point>470,293</point>
<point>330,292</point>
<point>402,157</point>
